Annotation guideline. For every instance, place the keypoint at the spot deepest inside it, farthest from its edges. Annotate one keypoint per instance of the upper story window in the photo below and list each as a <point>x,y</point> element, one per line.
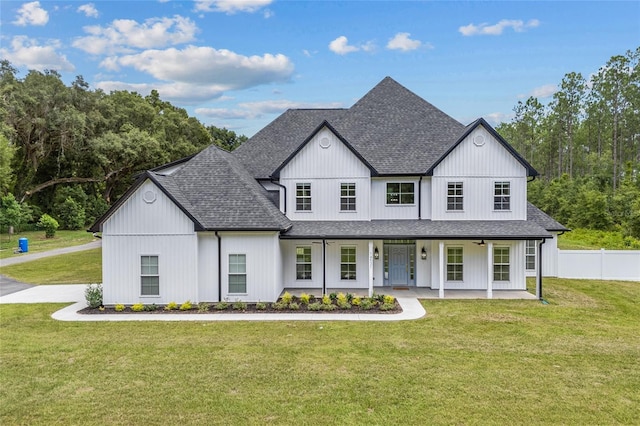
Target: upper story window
<point>347,197</point>
<point>400,193</point>
<point>303,263</point>
<point>502,196</point>
<point>454,196</point>
<point>303,197</point>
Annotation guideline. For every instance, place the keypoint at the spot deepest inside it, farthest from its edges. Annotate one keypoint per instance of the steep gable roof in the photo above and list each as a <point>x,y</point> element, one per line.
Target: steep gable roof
<point>470,128</point>
<point>216,193</point>
<point>394,130</point>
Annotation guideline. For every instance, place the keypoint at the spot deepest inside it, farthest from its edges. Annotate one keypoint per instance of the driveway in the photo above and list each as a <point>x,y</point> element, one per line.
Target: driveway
<point>28,257</point>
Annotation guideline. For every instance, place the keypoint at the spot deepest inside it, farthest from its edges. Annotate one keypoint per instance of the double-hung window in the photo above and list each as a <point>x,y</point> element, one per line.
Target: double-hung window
<point>530,255</point>
<point>237,273</point>
<point>347,197</point>
<point>502,196</point>
<point>454,196</point>
<point>149,276</point>
<point>348,263</point>
<point>303,263</point>
<point>454,263</point>
<point>303,197</point>
<point>400,193</point>
<point>501,264</point>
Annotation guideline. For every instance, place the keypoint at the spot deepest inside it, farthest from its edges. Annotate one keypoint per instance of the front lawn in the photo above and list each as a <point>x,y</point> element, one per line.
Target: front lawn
<point>574,361</point>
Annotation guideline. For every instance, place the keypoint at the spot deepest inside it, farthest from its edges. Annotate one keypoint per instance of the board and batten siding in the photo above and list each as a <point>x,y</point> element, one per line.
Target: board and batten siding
<point>149,224</point>
<point>325,162</point>
<point>207,267</point>
<point>379,207</point>
<point>260,249</point>
<point>479,161</point>
<point>475,266</point>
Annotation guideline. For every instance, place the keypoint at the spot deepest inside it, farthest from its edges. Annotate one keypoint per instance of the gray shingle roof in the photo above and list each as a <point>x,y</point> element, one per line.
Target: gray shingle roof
<point>394,130</point>
<point>544,220</point>
<point>425,229</point>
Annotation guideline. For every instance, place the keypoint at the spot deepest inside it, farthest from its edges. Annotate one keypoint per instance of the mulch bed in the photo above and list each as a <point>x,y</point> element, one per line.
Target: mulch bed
<point>250,309</point>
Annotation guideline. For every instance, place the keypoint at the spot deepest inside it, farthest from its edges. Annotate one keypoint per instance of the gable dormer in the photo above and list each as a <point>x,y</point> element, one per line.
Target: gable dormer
<point>481,177</point>
<point>326,179</point>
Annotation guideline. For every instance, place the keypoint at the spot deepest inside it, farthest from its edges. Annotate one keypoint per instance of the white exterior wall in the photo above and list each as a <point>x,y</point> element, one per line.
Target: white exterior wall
<point>262,263</point>
<point>423,267</point>
<point>362,264</point>
<point>207,267</point>
<point>475,266</point>
<point>381,210</point>
<point>325,168</point>
<point>478,162</point>
<point>549,258</point>
<point>155,228</point>
<point>289,263</point>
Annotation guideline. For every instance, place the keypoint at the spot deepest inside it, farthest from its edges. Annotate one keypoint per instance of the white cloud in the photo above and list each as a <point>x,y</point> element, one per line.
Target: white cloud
<point>231,6</point>
<point>25,51</point>
<point>401,41</point>
<point>497,29</point>
<point>251,110</point>
<point>124,34</point>
<point>89,10</point>
<point>196,74</point>
<point>496,118</point>
<point>31,14</point>
<point>341,46</point>
<point>545,91</point>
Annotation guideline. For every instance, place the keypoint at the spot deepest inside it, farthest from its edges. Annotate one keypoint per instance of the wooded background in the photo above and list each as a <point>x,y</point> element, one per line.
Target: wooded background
<point>70,151</point>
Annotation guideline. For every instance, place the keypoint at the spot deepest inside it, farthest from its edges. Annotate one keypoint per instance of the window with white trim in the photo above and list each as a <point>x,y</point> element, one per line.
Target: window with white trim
<point>149,276</point>
<point>530,255</point>
<point>237,273</point>
<point>303,263</point>
<point>501,265</point>
<point>347,197</point>
<point>400,193</point>
<point>454,196</point>
<point>502,196</point>
<point>455,264</point>
<point>348,263</point>
<point>303,197</point>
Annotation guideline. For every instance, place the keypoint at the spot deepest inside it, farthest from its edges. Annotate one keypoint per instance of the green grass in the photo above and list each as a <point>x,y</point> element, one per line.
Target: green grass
<point>574,361</point>
<point>589,239</point>
<point>82,267</point>
<point>38,243</point>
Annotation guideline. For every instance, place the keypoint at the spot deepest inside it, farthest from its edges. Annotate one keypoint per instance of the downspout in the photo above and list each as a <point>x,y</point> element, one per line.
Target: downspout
<point>219,267</point>
<point>420,199</point>
<point>539,289</point>
<point>285,194</point>
<point>324,267</point>
<point>532,179</point>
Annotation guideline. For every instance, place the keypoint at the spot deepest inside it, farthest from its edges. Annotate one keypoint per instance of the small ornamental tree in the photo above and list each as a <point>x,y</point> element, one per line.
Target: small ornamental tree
<point>49,224</point>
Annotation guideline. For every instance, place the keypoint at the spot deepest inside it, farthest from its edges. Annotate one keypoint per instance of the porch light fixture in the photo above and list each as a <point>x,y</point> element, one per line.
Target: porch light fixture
<point>376,254</point>
<point>423,254</point>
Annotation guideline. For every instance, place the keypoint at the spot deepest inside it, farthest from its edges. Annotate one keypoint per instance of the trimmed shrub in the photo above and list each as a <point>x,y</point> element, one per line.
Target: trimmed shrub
<point>49,225</point>
<point>171,306</point>
<point>186,306</point>
<point>119,307</point>
<point>93,295</point>
<point>287,298</point>
<point>138,307</point>
<point>305,299</point>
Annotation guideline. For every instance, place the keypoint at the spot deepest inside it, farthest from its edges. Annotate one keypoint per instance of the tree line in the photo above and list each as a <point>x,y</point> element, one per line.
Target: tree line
<point>586,145</point>
<point>70,151</point>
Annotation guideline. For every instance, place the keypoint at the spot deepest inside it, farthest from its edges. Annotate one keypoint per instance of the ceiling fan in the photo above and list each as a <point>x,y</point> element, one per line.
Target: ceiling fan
<point>481,243</point>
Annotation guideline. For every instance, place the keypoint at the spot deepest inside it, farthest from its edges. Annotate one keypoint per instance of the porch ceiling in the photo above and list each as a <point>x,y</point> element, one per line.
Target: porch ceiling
<point>417,229</point>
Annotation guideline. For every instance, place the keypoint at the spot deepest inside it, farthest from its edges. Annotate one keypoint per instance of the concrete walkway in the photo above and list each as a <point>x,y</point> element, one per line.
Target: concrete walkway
<point>28,257</point>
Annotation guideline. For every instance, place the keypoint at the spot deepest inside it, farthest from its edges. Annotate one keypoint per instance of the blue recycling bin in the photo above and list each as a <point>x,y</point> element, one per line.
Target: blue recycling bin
<point>23,245</point>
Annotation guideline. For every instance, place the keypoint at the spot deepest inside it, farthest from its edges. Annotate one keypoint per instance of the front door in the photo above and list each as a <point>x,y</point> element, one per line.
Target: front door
<point>398,265</point>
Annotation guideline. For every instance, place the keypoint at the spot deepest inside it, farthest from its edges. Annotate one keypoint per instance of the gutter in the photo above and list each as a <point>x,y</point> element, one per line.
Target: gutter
<point>420,198</point>
<point>219,266</point>
<point>285,193</point>
<point>324,266</point>
<point>539,286</point>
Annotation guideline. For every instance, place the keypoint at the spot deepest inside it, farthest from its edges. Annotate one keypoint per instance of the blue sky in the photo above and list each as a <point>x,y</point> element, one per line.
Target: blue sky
<point>240,63</point>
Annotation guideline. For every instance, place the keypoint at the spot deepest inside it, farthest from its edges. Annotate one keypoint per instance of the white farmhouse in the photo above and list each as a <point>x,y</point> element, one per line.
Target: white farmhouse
<point>391,192</point>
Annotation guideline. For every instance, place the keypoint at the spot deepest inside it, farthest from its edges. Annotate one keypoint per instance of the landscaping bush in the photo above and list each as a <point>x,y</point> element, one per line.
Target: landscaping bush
<point>287,298</point>
<point>203,307</point>
<point>119,307</point>
<point>150,308</point>
<point>221,306</point>
<point>186,306</point>
<point>315,306</point>
<point>171,306</point>
<point>93,295</point>
<point>239,306</point>
<point>138,307</point>
<point>261,306</point>
<point>305,299</point>
<point>49,225</point>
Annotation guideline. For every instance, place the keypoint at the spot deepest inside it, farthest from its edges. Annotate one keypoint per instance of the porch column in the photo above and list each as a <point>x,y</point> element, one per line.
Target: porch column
<point>441,269</point>
<point>489,270</point>
<point>370,268</point>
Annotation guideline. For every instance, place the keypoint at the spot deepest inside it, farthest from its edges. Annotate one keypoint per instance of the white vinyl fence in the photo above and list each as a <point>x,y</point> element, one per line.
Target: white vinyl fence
<point>599,264</point>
